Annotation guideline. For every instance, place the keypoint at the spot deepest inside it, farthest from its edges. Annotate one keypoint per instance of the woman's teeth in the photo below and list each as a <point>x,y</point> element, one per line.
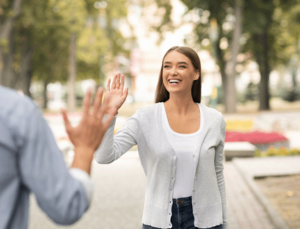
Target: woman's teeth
<point>174,81</point>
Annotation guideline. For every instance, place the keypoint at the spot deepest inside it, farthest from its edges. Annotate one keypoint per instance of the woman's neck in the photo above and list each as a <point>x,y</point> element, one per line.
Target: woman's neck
<point>180,104</point>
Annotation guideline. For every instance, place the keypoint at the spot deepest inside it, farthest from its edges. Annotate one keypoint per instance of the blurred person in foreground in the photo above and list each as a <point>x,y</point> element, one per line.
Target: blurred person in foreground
<point>30,161</point>
<point>180,143</point>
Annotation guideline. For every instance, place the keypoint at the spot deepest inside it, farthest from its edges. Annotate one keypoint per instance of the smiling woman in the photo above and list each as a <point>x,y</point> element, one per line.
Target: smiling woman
<point>176,60</point>
<point>180,144</point>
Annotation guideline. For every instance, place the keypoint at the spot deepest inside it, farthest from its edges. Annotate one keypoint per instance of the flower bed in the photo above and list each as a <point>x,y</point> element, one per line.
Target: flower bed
<point>272,151</point>
<point>260,139</point>
<point>239,125</point>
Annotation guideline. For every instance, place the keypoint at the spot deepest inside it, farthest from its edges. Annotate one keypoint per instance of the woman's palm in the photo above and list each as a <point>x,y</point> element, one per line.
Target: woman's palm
<point>116,94</point>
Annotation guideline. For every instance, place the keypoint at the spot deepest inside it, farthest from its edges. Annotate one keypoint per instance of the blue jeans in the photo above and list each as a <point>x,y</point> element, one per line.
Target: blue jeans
<point>182,215</point>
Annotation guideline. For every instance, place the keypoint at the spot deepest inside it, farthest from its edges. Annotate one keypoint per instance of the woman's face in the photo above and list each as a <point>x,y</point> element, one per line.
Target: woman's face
<point>178,73</point>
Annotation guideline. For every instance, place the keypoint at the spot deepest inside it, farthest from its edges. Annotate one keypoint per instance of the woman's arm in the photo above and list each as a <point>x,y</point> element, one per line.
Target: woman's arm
<point>219,172</point>
<point>113,147</point>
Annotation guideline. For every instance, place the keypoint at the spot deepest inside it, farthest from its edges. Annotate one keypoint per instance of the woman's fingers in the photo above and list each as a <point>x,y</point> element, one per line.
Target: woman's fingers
<point>66,120</point>
<point>97,102</point>
<point>122,83</point>
<point>118,81</point>
<point>113,84</point>
<point>108,84</point>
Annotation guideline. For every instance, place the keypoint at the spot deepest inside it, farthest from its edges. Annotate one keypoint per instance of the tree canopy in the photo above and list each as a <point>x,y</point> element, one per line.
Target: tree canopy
<point>39,38</point>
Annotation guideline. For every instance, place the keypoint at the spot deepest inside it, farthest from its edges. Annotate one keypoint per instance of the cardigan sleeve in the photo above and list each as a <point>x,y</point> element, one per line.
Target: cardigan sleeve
<point>114,146</point>
<point>219,171</point>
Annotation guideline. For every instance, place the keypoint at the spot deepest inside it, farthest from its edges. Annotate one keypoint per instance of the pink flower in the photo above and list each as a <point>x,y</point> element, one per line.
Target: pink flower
<point>255,137</point>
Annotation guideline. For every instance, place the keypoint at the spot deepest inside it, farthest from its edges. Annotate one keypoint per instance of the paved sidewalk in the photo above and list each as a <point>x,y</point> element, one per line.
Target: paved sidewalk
<point>269,166</point>
<point>119,196</point>
<point>251,168</point>
<point>244,210</point>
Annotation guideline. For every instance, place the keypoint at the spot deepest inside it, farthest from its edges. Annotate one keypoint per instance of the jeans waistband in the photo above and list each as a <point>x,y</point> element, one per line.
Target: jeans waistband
<point>184,200</point>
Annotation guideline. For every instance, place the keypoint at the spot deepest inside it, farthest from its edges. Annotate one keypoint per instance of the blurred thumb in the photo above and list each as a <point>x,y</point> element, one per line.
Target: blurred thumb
<point>66,119</point>
<point>125,93</point>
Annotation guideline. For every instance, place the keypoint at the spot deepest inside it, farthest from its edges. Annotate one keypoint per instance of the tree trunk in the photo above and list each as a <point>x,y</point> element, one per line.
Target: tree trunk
<point>261,56</point>
<point>294,68</point>
<point>221,64</point>
<point>6,54</point>
<point>231,98</point>
<point>25,67</point>
<point>9,78</point>
<point>26,81</point>
<point>72,73</point>
<point>45,105</point>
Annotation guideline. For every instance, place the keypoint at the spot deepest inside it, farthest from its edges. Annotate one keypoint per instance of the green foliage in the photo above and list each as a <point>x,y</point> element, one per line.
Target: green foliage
<point>72,12</point>
<point>250,94</point>
<point>165,7</point>
<point>5,9</point>
<point>47,34</point>
<point>280,18</point>
<point>45,28</point>
<point>271,34</point>
<point>275,17</point>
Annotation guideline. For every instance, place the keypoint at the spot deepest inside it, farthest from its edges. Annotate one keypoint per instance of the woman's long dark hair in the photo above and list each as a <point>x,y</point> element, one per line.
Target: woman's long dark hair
<point>161,93</point>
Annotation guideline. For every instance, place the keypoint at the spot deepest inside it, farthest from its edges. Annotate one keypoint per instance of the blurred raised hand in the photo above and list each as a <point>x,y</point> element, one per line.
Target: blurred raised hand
<point>87,136</point>
<point>115,94</point>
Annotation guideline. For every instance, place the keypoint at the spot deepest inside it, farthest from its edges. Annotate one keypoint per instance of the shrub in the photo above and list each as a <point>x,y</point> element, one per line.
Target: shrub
<point>273,151</point>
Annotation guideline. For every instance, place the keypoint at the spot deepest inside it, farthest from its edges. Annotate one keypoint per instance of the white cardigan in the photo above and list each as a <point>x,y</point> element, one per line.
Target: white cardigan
<point>158,160</point>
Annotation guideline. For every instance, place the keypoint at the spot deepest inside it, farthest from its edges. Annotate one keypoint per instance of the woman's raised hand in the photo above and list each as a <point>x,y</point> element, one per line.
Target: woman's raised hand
<point>115,94</point>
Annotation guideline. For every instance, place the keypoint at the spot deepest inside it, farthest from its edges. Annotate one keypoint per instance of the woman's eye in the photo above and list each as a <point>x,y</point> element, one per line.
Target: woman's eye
<point>166,66</point>
<point>182,66</point>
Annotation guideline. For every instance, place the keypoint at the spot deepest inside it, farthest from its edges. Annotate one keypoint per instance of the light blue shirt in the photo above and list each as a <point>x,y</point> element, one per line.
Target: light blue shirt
<point>30,161</point>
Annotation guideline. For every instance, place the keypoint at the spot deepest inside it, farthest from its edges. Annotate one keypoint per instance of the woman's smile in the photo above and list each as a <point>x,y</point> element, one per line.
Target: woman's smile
<point>174,82</point>
<point>178,73</point>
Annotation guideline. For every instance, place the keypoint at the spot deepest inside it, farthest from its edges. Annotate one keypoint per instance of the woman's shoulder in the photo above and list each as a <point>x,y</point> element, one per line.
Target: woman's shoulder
<point>211,112</point>
<point>146,112</point>
<point>150,108</point>
<point>214,117</point>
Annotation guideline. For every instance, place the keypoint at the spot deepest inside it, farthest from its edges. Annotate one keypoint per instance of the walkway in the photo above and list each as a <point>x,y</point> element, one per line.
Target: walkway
<point>119,196</point>
<point>244,210</point>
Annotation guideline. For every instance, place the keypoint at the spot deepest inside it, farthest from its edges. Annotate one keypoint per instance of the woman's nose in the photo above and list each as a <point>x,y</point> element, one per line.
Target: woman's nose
<point>174,71</point>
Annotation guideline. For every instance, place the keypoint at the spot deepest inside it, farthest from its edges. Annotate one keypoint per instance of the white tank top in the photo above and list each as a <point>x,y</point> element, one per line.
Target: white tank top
<point>185,146</point>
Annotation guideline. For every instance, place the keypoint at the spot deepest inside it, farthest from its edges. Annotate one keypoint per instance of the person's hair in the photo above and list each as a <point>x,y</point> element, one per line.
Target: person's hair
<point>161,93</point>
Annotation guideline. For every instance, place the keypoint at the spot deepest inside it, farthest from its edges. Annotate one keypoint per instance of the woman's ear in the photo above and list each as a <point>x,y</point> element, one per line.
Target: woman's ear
<point>197,75</point>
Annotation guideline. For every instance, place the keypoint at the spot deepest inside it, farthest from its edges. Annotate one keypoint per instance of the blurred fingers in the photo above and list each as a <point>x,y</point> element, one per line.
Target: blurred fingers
<point>107,122</point>
<point>118,81</point>
<point>66,120</point>
<point>101,111</point>
<point>108,84</point>
<point>122,83</point>
<point>86,103</point>
<point>113,84</point>
<point>125,93</point>
<point>97,102</point>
